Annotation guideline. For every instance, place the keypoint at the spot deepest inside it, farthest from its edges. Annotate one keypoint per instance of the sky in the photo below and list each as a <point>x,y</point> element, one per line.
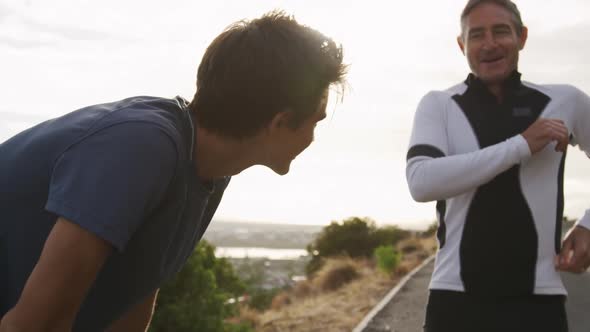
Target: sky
<point>60,55</point>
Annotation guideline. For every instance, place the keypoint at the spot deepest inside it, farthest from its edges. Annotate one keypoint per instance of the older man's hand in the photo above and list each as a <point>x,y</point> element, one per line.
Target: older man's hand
<point>575,251</point>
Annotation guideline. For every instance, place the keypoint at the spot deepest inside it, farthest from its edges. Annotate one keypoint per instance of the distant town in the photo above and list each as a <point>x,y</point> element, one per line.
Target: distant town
<point>270,273</point>
<point>261,235</point>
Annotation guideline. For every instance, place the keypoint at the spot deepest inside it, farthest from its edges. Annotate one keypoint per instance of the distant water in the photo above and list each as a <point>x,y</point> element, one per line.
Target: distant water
<point>252,252</point>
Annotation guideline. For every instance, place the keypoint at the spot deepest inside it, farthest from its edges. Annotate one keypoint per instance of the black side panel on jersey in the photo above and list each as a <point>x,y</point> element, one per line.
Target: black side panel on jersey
<point>441,232</point>
<point>498,250</point>
<point>559,217</point>
<point>441,206</point>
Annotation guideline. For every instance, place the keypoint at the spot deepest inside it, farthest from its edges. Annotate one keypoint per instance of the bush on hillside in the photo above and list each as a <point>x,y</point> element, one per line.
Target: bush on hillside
<point>387,258</point>
<point>195,299</point>
<point>314,265</point>
<point>336,273</point>
<point>390,235</point>
<point>431,230</point>
<point>280,300</point>
<point>260,298</point>
<point>247,318</point>
<point>239,327</point>
<point>354,237</point>
<point>410,245</point>
<point>302,289</point>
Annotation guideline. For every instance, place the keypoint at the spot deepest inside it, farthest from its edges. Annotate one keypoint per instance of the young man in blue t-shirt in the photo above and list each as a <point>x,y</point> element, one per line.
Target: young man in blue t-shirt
<point>103,204</point>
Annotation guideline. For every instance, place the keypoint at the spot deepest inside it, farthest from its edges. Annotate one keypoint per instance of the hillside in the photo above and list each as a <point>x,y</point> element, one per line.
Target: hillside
<point>313,306</point>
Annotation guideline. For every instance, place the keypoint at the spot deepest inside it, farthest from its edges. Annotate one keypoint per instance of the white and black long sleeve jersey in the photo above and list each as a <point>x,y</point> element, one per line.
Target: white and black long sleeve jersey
<point>499,208</point>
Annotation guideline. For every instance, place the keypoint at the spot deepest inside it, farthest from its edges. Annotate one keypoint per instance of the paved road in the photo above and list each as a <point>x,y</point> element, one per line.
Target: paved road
<point>578,303</point>
<point>405,312</point>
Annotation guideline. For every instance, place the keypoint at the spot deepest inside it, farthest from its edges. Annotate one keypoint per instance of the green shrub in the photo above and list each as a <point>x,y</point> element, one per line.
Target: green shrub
<point>387,258</point>
<point>314,265</point>
<point>260,299</point>
<point>390,235</point>
<point>354,237</point>
<point>240,327</point>
<point>431,230</point>
<point>195,299</point>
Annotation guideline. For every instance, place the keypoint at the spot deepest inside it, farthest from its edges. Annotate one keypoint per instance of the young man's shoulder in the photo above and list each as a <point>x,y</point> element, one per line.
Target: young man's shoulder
<point>167,114</point>
<point>137,121</point>
<point>140,116</point>
<point>162,112</point>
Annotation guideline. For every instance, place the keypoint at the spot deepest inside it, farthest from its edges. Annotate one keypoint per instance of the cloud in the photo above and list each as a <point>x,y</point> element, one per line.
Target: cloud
<point>21,117</point>
<point>23,44</point>
<point>564,46</point>
<point>5,11</point>
<point>20,29</point>
<point>67,31</point>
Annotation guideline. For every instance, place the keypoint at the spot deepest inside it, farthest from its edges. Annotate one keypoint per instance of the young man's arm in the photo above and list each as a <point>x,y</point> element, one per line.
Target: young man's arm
<point>69,263</point>
<point>433,174</point>
<point>138,318</point>
<point>106,185</point>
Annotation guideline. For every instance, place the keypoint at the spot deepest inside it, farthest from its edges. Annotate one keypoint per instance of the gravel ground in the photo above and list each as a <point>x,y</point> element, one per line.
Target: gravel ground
<point>405,312</point>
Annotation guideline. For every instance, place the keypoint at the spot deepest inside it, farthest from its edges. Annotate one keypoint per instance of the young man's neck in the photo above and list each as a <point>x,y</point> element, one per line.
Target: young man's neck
<point>217,156</point>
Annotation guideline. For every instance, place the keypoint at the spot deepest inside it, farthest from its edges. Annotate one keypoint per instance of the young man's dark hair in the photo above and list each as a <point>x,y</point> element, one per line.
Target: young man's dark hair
<point>506,4</point>
<point>287,67</point>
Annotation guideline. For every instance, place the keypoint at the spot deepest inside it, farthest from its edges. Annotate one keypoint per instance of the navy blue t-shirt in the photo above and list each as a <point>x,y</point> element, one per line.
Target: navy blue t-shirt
<point>124,172</point>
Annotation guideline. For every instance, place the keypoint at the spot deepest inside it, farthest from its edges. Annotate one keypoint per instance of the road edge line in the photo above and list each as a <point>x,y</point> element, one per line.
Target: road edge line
<point>376,309</point>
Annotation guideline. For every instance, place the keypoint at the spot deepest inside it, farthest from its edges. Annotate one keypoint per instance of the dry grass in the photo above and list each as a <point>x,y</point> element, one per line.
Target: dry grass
<point>280,300</point>
<point>410,245</point>
<point>313,310</point>
<point>303,289</point>
<point>403,268</point>
<point>337,273</point>
<point>248,315</point>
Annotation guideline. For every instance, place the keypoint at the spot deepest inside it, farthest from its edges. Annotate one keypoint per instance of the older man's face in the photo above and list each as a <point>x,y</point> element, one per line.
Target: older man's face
<point>490,42</point>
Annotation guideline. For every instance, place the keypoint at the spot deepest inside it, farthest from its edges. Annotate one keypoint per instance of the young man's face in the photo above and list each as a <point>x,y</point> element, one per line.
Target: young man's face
<point>287,143</point>
<point>490,42</point>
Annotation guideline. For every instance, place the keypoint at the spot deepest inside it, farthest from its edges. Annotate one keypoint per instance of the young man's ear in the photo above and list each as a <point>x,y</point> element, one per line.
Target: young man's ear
<point>280,120</point>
